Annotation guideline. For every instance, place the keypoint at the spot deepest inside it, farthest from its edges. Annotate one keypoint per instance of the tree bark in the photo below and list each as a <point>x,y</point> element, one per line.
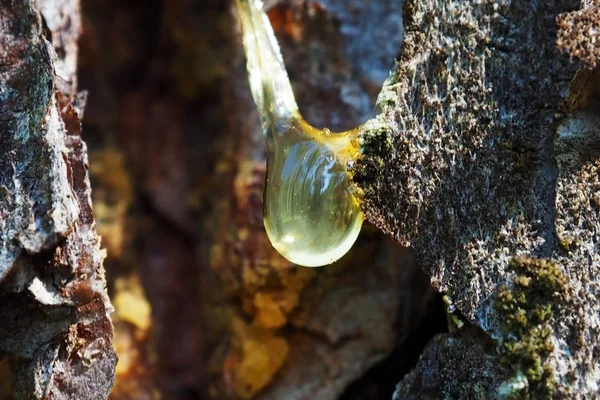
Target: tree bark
<point>54,311</point>
<point>485,160</point>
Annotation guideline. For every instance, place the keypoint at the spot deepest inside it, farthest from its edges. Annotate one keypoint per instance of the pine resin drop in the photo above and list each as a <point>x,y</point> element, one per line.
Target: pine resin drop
<point>311,210</point>
<point>311,213</point>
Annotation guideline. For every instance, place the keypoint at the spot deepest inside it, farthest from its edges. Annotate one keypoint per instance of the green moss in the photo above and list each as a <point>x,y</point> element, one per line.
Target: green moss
<point>567,244</point>
<point>525,307</point>
<point>375,141</point>
<point>388,97</point>
<point>375,137</point>
<point>454,322</point>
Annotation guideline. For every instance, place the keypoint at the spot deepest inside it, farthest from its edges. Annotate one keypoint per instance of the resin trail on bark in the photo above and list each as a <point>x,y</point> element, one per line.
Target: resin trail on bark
<point>311,211</point>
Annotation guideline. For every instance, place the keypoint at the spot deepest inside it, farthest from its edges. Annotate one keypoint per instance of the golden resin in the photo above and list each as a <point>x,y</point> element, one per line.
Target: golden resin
<point>311,211</point>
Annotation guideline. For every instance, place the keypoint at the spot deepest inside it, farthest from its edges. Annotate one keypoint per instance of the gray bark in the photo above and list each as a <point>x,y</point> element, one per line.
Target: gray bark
<point>485,160</point>
<point>54,311</point>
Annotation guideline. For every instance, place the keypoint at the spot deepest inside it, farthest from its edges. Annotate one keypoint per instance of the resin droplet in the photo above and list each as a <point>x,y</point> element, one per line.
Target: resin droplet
<point>311,213</point>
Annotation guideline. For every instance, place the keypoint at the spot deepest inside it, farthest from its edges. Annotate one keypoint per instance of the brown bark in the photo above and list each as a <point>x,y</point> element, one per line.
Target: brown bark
<point>54,310</point>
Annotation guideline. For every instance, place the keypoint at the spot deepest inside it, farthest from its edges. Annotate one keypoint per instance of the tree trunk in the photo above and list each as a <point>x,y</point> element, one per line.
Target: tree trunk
<point>54,310</point>
<point>485,160</point>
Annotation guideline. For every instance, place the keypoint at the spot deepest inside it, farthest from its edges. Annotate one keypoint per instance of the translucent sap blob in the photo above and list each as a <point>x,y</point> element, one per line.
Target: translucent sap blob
<point>311,212</point>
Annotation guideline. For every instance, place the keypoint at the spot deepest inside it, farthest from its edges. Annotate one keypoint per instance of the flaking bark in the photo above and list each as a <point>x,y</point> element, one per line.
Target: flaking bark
<point>54,311</point>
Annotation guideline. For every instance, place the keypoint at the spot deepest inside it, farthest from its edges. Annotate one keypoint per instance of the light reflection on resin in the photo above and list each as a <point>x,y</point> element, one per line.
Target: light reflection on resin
<point>311,212</point>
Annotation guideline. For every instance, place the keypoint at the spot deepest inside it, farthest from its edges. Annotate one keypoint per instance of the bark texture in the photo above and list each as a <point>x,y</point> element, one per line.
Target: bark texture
<point>54,311</point>
<point>485,160</point>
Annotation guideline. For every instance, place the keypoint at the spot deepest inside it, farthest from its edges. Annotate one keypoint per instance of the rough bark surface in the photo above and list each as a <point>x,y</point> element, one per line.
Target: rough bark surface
<point>448,363</point>
<point>485,161</point>
<point>578,34</point>
<point>54,311</point>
